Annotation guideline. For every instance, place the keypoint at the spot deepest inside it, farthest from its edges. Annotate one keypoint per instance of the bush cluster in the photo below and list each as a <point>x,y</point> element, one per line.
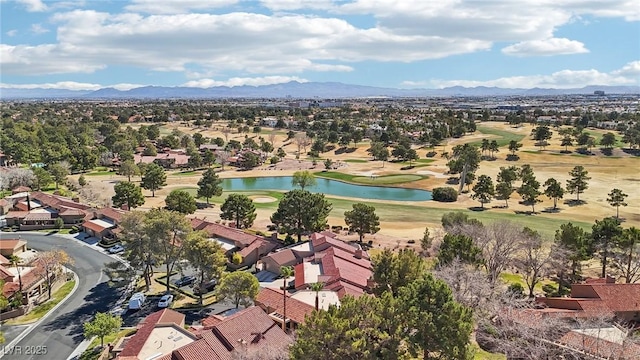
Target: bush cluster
<point>445,194</point>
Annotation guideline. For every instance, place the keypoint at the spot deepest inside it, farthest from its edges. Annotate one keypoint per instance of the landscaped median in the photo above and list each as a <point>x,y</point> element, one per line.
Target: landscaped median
<point>94,351</point>
<point>41,310</point>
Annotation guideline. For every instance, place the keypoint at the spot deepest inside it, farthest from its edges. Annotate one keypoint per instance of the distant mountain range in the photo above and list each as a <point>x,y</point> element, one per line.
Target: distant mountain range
<point>294,89</point>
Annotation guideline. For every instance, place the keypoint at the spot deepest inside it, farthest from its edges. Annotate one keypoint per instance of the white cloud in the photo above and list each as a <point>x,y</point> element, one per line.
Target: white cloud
<point>252,43</point>
<point>12,33</point>
<point>69,85</point>
<point>546,47</point>
<point>175,6</point>
<point>34,5</point>
<point>627,75</point>
<point>162,35</point>
<point>631,70</point>
<point>278,5</point>
<point>38,29</point>
<point>240,81</point>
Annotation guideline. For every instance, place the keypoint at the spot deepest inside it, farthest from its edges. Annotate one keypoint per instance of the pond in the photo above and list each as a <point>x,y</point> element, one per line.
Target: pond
<point>328,187</point>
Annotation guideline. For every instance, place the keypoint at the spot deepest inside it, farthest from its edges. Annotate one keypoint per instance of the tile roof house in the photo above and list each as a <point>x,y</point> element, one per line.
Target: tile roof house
<point>342,267</point>
<point>104,223</point>
<point>251,247</point>
<point>596,297</point>
<point>248,328</point>
<point>603,343</point>
<point>160,333</point>
<point>272,301</point>
<point>37,210</point>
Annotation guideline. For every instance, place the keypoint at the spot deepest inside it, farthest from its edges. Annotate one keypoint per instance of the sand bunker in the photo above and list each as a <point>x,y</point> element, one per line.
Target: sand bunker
<point>432,173</point>
<point>263,199</point>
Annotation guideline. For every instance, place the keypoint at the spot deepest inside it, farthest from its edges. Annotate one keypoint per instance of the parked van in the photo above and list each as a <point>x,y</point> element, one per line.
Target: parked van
<point>137,301</point>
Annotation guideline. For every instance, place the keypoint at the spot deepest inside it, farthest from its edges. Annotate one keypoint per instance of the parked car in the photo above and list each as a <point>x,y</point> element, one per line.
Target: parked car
<point>165,301</point>
<point>137,301</point>
<point>116,249</point>
<point>185,280</point>
<point>205,287</point>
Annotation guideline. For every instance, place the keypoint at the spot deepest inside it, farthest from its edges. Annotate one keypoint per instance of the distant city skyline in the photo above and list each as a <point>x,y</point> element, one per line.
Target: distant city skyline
<point>88,45</point>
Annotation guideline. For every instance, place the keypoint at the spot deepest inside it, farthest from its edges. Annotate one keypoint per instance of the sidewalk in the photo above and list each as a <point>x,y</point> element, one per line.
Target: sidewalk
<point>29,328</point>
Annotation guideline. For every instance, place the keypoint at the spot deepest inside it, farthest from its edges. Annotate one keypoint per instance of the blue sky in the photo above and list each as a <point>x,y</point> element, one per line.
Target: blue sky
<point>77,44</point>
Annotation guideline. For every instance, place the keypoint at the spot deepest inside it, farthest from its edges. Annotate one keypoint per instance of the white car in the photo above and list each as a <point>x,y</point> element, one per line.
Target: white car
<point>165,301</point>
<point>116,249</point>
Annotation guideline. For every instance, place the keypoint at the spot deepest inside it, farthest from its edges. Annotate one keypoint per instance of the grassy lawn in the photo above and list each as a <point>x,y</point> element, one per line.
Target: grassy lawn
<point>42,309</point>
<point>368,180</point>
<point>184,173</point>
<point>504,137</point>
<point>414,213</point>
<point>89,354</point>
<point>484,355</point>
<point>510,278</point>
<point>100,173</point>
<point>357,161</point>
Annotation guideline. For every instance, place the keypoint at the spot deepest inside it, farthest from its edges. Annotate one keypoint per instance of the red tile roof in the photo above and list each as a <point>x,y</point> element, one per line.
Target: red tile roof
<point>249,249</point>
<point>135,344</point>
<point>272,300</point>
<point>4,260</point>
<point>4,202</point>
<point>20,189</point>
<point>57,202</point>
<point>95,227</point>
<point>627,350</point>
<point>11,244</point>
<point>4,273</point>
<point>71,212</point>
<point>196,350</point>
<point>16,214</point>
<point>225,232</point>
<point>250,326</point>
<point>283,257</point>
<point>112,213</point>
<point>39,216</point>
<point>597,299</point>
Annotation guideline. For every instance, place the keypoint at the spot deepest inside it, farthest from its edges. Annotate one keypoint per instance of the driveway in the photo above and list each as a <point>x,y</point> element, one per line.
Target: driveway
<point>62,331</point>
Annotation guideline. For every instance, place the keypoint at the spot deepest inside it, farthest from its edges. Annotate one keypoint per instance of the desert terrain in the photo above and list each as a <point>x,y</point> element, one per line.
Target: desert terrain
<point>402,221</point>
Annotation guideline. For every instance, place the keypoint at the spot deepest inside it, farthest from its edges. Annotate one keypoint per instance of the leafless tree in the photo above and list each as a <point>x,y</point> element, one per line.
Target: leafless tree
<point>17,177</point>
<point>500,243</point>
<point>226,130</point>
<point>223,157</point>
<point>302,141</point>
<point>106,158</point>
<point>534,261</point>
<point>470,286</point>
<point>272,138</point>
<point>627,264</point>
<point>521,332</point>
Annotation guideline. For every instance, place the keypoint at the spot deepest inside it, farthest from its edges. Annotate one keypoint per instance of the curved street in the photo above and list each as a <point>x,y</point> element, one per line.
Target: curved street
<point>58,335</point>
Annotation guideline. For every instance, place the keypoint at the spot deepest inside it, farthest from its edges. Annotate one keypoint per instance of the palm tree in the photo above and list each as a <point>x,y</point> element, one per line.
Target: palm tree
<point>286,272</point>
<point>317,287</point>
<point>15,261</point>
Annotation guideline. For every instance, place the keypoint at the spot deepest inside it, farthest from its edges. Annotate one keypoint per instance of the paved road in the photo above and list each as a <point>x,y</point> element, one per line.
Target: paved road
<point>62,331</point>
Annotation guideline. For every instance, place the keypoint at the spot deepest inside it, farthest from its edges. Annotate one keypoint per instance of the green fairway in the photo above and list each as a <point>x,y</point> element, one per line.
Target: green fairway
<point>185,173</point>
<point>100,173</point>
<point>369,180</point>
<point>504,137</point>
<point>386,180</point>
<point>414,213</point>
<point>357,161</point>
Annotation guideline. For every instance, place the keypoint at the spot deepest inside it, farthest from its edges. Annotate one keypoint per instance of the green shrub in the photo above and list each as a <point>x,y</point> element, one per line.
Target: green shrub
<point>444,194</point>
<point>516,289</point>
